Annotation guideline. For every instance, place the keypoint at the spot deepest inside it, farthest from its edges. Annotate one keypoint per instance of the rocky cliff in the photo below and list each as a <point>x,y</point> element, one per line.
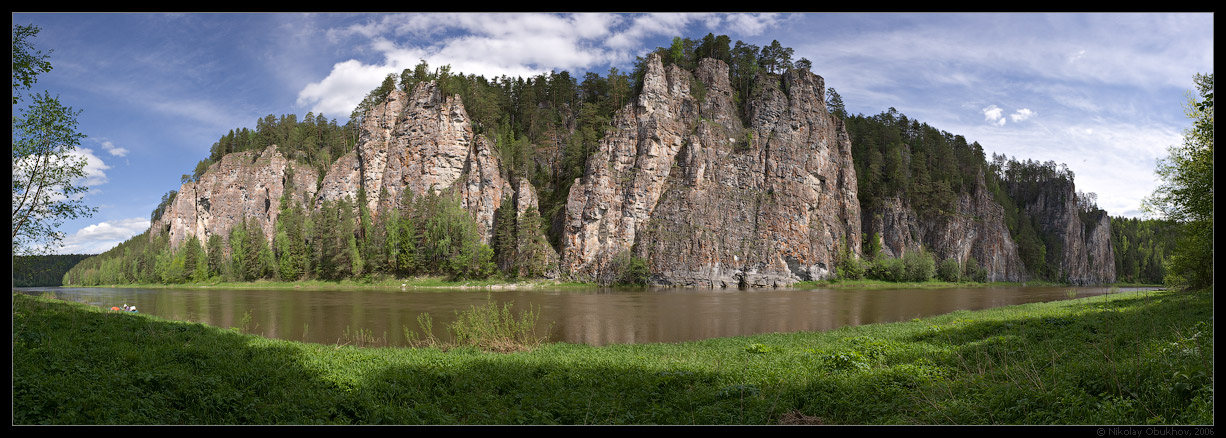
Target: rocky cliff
<point>1086,254</point>
<point>679,181</point>
<point>418,142</point>
<point>976,230</point>
<point>705,196</point>
<point>244,185</point>
<point>413,142</point>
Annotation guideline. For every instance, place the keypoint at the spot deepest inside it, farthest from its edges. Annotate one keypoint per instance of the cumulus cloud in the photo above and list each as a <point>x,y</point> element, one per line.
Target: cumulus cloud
<point>1022,114</point>
<point>493,45</point>
<point>743,24</point>
<point>993,114</point>
<point>114,150</point>
<point>95,168</point>
<point>99,237</point>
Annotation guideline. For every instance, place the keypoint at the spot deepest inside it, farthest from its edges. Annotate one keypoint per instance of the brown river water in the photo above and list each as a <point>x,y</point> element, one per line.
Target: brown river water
<point>594,316</point>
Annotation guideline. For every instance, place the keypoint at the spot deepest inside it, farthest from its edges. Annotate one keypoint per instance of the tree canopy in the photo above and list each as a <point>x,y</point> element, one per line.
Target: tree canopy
<point>1185,194</point>
<point>47,173</point>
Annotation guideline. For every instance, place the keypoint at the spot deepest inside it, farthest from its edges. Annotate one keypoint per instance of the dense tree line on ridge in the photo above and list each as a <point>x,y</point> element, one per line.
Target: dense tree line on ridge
<point>901,158</point>
<point>43,270</point>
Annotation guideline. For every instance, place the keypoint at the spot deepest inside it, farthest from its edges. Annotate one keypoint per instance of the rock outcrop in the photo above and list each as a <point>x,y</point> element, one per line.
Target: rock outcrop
<point>411,142</point>
<point>706,197</point>
<point>1086,253</point>
<point>680,182</point>
<point>976,230</point>
<point>242,186</point>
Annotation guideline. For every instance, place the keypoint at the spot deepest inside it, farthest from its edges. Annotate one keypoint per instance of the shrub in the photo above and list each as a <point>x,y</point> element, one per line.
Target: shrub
<point>852,269</point>
<point>487,327</point>
<point>626,269</point>
<point>887,269</point>
<point>949,270</point>
<point>919,266</point>
<point>972,271</point>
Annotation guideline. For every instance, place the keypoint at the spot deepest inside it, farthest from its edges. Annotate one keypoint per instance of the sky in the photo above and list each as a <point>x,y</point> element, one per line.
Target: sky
<point>1102,93</point>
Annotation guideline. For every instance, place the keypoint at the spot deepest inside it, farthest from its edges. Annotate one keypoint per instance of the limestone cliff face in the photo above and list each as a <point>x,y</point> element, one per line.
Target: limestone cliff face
<point>246,185</point>
<point>976,230</point>
<point>707,201</point>
<point>1086,254</point>
<point>416,142</point>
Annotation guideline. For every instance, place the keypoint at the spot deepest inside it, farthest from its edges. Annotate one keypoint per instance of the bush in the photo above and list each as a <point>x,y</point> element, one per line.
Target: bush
<point>972,271</point>
<point>487,327</point>
<point>919,266</point>
<point>626,269</point>
<point>949,270</point>
<point>852,269</point>
<point>887,269</point>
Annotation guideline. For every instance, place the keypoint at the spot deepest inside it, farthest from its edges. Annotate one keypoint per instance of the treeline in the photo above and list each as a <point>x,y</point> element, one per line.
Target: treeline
<point>43,270</point>
<point>313,141</point>
<point>1142,248</point>
<point>914,266</point>
<point>897,157</point>
<point>429,235</point>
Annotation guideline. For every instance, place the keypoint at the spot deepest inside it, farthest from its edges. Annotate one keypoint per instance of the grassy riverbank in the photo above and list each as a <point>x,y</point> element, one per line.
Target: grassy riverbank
<point>1128,358</point>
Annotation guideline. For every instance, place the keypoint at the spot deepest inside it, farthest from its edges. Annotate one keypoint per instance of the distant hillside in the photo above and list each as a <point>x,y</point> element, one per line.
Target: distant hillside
<point>47,270</point>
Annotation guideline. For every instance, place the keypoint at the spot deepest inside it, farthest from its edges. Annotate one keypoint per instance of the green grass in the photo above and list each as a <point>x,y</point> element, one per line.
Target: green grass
<point>1126,358</point>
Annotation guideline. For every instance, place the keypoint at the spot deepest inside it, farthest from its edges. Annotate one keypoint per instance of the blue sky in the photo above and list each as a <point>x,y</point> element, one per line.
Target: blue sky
<point>1102,93</point>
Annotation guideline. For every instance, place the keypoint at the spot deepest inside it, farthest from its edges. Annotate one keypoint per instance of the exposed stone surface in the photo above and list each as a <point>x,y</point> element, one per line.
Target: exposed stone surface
<point>241,186</point>
<point>414,142</point>
<point>708,202</point>
<point>977,229</point>
<point>677,180</point>
<point>1087,256</point>
<point>418,142</point>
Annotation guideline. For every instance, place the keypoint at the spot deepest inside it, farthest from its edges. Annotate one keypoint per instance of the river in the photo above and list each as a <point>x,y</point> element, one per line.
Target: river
<point>594,316</point>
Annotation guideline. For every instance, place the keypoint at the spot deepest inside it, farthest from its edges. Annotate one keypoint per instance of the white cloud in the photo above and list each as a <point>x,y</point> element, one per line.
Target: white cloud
<point>98,238</point>
<point>114,150</point>
<point>493,45</point>
<point>95,174</point>
<point>993,114</point>
<point>743,24</point>
<point>344,88</point>
<point>1022,114</point>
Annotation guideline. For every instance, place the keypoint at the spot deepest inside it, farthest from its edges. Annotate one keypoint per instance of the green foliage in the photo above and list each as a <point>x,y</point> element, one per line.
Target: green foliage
<point>849,266</point>
<point>43,270</point>
<point>919,266</point>
<point>626,269</point>
<point>491,328</point>
<point>1185,194</point>
<point>834,104</point>
<point>167,199</point>
<point>887,269</point>
<point>974,272</point>
<point>1142,248</point>
<point>47,174</point>
<point>949,270</point>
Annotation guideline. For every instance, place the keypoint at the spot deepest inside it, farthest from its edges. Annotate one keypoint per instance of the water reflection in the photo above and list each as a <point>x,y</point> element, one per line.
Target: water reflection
<point>589,316</point>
